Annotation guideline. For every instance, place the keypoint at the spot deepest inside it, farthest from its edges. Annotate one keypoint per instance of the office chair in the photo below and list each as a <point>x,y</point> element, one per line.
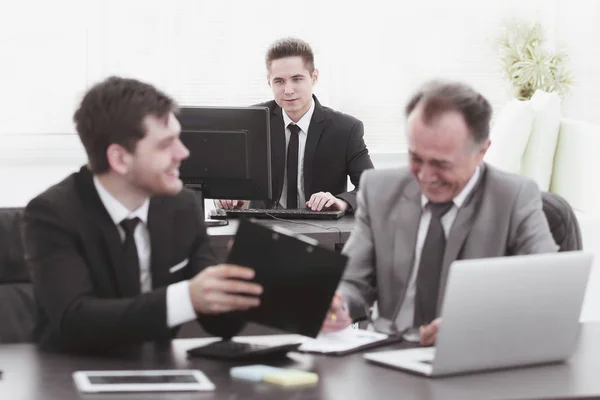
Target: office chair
<point>563,222</point>
<point>17,305</point>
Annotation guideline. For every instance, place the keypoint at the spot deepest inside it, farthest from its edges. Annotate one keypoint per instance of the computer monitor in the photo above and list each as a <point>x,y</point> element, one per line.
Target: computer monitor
<point>230,152</point>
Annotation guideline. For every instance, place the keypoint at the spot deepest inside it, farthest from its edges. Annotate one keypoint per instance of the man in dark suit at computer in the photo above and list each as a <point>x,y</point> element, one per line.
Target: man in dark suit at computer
<point>118,251</point>
<point>313,148</point>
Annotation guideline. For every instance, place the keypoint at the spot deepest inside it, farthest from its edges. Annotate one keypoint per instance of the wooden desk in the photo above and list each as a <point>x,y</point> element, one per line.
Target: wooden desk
<point>30,374</point>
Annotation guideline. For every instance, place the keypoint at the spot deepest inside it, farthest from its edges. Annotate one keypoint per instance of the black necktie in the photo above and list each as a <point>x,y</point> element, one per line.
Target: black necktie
<point>430,266</point>
<point>292,167</point>
<point>131,262</point>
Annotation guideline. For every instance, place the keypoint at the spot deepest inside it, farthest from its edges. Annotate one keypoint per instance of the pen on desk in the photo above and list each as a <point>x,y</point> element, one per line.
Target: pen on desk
<point>366,336</point>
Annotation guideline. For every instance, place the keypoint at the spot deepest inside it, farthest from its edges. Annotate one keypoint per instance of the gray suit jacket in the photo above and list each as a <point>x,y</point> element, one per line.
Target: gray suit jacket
<point>502,216</point>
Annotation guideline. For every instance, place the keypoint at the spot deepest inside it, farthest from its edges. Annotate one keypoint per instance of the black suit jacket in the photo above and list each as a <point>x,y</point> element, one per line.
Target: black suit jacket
<point>335,149</point>
<point>74,252</point>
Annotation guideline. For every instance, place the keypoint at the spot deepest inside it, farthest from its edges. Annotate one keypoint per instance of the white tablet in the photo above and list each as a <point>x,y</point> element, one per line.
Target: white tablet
<point>142,381</point>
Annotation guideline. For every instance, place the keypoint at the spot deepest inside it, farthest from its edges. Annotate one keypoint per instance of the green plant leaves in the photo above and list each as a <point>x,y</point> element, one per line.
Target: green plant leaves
<point>529,64</point>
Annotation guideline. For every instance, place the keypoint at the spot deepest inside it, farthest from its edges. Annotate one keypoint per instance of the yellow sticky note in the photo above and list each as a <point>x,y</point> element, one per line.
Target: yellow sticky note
<point>291,377</point>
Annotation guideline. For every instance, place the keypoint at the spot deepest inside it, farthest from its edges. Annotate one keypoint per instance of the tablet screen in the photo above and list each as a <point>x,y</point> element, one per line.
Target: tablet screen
<point>141,379</point>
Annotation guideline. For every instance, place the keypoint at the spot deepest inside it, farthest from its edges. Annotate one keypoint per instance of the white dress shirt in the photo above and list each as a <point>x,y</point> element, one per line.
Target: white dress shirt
<point>179,303</point>
<point>303,124</point>
<point>405,316</point>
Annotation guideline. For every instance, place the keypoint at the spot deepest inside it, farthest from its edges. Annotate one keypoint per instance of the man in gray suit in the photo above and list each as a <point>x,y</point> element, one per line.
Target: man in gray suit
<point>412,223</point>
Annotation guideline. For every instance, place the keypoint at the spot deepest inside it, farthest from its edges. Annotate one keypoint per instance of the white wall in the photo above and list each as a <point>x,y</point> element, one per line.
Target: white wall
<point>25,175</point>
<point>371,55</point>
<point>578,30</point>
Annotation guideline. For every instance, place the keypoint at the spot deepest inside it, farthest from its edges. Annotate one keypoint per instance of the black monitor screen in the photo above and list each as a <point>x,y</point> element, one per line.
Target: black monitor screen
<point>230,156</point>
<point>231,146</point>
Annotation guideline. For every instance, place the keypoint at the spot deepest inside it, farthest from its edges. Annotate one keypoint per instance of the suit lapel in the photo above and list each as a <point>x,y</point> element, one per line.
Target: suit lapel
<point>105,230</point>
<point>160,228</point>
<point>406,218</point>
<point>459,232</point>
<point>315,130</point>
<point>277,152</point>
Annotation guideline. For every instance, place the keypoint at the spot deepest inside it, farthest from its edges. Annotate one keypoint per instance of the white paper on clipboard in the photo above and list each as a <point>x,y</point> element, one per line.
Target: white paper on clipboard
<point>341,341</point>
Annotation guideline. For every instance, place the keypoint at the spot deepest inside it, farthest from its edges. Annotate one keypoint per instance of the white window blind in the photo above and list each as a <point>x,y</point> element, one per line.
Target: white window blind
<point>42,65</point>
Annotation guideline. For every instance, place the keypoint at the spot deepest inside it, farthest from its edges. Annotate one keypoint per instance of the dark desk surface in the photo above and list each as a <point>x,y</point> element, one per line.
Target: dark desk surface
<point>306,227</point>
<point>327,232</point>
<point>30,374</point>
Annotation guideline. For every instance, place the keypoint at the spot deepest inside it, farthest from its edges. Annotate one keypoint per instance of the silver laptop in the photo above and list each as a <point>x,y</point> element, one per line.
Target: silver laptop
<point>503,312</point>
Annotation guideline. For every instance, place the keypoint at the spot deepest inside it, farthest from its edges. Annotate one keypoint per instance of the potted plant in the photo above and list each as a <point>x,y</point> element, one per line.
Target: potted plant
<point>530,64</point>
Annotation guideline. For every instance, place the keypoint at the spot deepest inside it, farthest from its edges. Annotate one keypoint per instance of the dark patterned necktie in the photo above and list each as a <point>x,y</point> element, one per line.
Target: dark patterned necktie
<point>292,167</point>
<point>430,266</point>
<point>131,262</point>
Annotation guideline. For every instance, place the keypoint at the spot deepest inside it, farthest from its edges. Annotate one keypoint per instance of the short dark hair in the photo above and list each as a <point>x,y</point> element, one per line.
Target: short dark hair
<point>438,97</point>
<point>112,112</point>
<point>291,47</point>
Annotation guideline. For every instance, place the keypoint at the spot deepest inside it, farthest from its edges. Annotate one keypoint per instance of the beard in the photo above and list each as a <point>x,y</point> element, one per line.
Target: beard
<point>155,183</point>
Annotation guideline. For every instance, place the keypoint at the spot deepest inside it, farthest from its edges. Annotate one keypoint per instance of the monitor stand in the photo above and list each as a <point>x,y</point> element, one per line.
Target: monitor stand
<point>200,195</point>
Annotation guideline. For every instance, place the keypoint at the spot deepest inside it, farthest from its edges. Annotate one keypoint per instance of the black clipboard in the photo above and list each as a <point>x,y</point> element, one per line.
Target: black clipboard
<point>299,277</point>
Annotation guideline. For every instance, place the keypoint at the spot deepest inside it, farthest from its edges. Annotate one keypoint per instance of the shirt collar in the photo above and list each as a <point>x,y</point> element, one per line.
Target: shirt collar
<point>117,211</point>
<point>304,122</point>
<point>460,198</point>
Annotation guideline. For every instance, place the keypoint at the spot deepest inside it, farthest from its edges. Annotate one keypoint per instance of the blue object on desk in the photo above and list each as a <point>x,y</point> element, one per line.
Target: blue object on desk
<point>254,373</point>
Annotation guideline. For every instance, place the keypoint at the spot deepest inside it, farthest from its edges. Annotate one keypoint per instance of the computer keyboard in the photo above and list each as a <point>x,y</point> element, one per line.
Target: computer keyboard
<point>230,350</point>
<point>283,213</point>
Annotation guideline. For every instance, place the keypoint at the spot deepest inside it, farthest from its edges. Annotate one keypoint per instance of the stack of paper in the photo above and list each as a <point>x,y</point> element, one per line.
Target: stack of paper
<point>343,341</point>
